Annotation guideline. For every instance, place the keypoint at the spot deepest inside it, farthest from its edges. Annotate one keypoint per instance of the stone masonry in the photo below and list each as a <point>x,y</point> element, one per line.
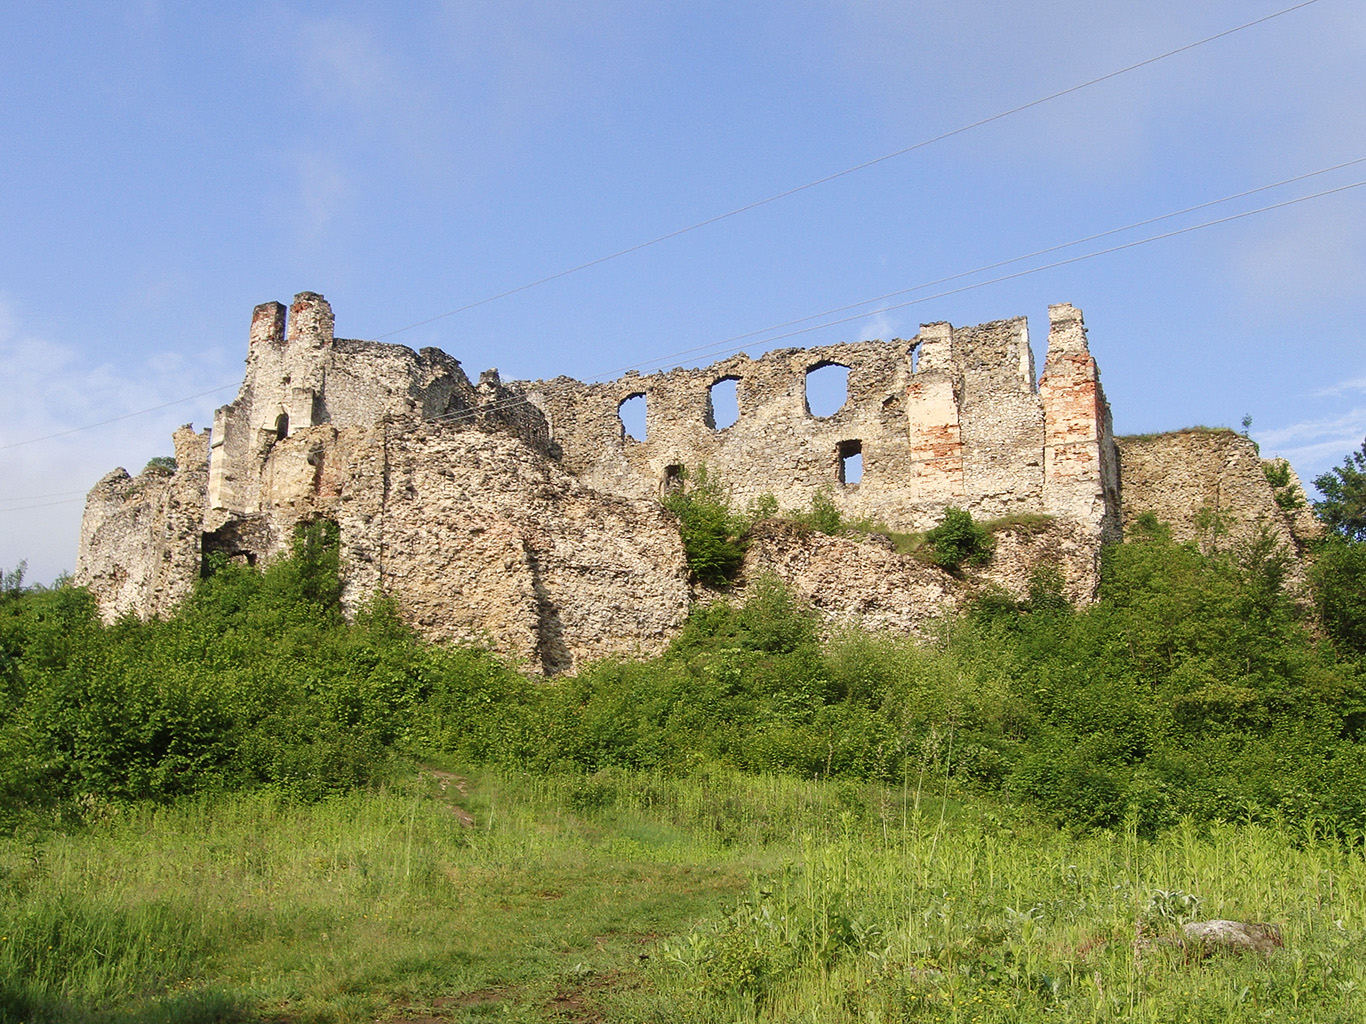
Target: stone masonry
<point>954,416</point>
<point>523,515</point>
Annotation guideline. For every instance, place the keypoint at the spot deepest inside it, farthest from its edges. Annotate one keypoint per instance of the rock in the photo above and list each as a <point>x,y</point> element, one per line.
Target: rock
<point>1232,937</point>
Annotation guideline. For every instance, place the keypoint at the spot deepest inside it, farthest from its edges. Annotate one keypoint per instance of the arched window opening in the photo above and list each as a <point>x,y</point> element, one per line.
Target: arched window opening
<point>282,426</point>
<point>827,389</point>
<point>724,397</point>
<point>851,461</point>
<point>915,358</point>
<point>631,412</point>
<point>673,479</point>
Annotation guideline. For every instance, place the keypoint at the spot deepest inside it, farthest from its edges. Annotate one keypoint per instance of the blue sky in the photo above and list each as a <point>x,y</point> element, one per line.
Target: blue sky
<point>164,167</point>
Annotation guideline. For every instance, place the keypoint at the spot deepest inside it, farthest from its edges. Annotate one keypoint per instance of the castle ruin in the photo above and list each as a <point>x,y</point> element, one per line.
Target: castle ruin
<point>524,515</point>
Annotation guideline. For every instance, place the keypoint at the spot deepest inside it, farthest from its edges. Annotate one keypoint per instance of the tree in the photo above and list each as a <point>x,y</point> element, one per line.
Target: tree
<point>1343,508</point>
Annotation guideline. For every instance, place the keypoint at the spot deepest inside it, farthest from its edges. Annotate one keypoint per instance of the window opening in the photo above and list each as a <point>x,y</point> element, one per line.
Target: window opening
<point>282,426</point>
<point>631,412</point>
<point>851,461</point>
<point>724,396</point>
<point>827,389</point>
<point>673,479</point>
<point>915,358</point>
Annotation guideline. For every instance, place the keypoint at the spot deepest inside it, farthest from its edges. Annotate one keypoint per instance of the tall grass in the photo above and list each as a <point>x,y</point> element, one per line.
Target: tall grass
<point>649,897</point>
<point>975,923</point>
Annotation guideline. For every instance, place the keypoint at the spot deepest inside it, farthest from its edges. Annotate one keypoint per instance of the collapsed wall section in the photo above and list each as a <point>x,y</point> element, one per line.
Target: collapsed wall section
<point>140,536</point>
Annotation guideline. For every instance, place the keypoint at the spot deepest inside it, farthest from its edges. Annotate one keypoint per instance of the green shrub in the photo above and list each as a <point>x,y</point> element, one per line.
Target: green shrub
<point>713,535</point>
<point>959,539</point>
<point>823,515</point>
<point>1338,576</point>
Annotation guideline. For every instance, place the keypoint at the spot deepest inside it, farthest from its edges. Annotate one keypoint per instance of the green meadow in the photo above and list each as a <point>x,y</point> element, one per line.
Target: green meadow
<point>257,810</point>
<point>627,896</point>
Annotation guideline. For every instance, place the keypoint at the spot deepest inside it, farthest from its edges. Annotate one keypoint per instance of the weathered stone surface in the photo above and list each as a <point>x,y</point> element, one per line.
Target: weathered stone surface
<point>951,417</point>
<point>480,539</point>
<point>1185,476</point>
<point>1065,546</point>
<point>1233,936</point>
<point>851,582</point>
<point>140,536</point>
<point>866,582</point>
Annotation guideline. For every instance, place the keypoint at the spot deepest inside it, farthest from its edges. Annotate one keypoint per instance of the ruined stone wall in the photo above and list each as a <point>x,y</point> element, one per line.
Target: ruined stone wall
<point>866,582</point>
<point>1081,462</point>
<point>140,536</point>
<point>1183,476</point>
<point>521,514</point>
<point>952,417</point>
<point>298,375</point>
<point>479,539</point>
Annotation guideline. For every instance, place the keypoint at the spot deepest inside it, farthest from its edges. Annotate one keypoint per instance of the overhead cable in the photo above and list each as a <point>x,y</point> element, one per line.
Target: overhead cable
<point>116,419</point>
<point>768,338</point>
<point>767,332</point>
<point>786,193</point>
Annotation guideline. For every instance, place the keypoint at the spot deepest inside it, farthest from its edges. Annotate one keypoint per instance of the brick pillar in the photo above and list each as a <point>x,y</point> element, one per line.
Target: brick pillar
<point>935,439</point>
<point>267,324</point>
<point>1079,465</point>
<point>310,320</point>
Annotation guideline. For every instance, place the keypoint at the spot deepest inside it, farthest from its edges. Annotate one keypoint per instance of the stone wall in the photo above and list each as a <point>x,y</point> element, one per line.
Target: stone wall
<point>952,417</point>
<point>523,516</point>
<point>141,536</point>
<point>298,375</point>
<point>480,539</point>
<point>866,582</point>
<point>1188,476</point>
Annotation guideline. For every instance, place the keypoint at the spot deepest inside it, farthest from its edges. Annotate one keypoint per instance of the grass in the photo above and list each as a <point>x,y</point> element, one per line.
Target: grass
<point>637,897</point>
<point>1026,524</point>
<point>1196,429</point>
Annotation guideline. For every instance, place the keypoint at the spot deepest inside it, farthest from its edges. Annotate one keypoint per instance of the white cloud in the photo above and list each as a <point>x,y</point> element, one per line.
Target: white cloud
<point>878,327</point>
<point>50,389</point>
<point>1312,251</point>
<point>343,61</point>
<point>1348,424</point>
<point>1347,387</point>
<point>1315,446</point>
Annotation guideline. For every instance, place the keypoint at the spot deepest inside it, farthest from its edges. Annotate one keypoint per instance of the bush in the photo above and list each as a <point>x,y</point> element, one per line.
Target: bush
<point>957,540</point>
<point>823,515</point>
<point>713,535</point>
<point>1338,576</point>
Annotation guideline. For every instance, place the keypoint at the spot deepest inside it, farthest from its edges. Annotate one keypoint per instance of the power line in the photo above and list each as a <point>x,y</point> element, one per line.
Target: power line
<point>35,497</point>
<point>520,400</point>
<point>48,504</point>
<point>764,202</point>
<point>116,419</point>
<point>659,360</point>
<point>786,193</point>
<point>1074,259</point>
<point>980,270</point>
<point>495,406</point>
